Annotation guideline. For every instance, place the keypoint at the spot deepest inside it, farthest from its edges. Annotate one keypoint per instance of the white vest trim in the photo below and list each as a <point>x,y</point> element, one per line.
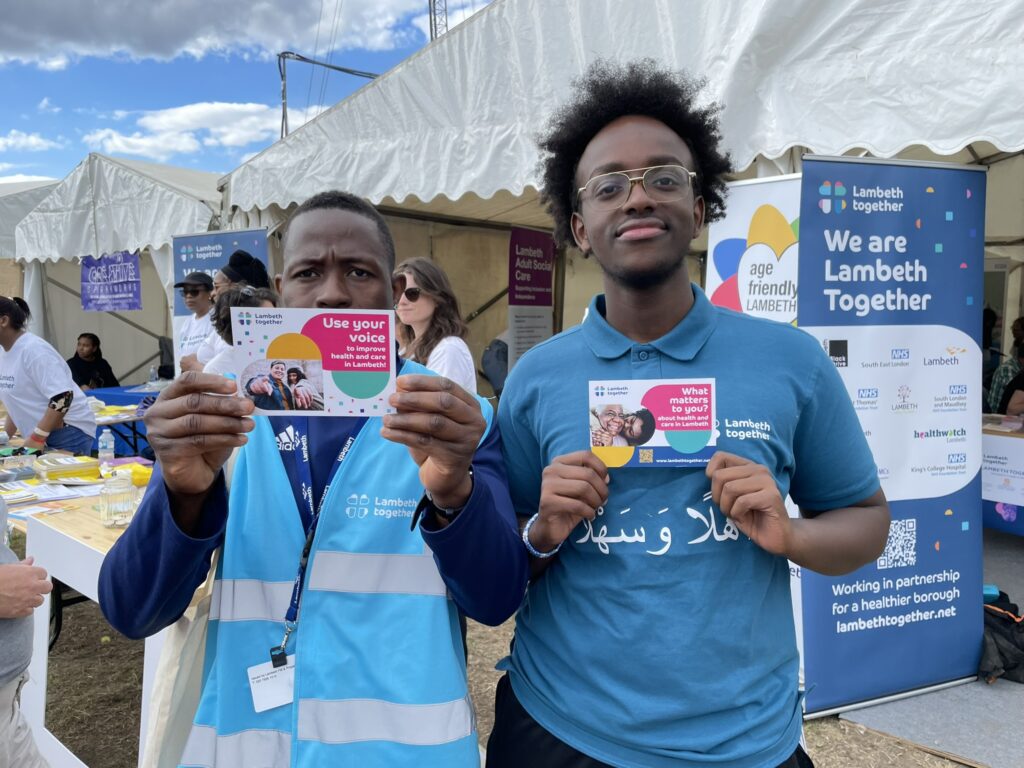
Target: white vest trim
<point>351,720</point>
<point>252,749</point>
<point>250,600</point>
<point>378,574</point>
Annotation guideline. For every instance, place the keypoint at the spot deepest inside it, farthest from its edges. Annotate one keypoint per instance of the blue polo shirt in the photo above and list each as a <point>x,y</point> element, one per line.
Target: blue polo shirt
<point>678,649</point>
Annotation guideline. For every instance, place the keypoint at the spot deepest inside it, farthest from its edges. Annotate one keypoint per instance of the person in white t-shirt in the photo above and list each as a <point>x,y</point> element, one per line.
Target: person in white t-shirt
<point>43,402</point>
<point>239,296</point>
<point>196,290</point>
<point>430,326</point>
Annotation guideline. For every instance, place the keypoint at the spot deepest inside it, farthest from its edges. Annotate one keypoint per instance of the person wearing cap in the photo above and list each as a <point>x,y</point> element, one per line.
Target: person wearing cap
<point>242,269</point>
<point>196,290</point>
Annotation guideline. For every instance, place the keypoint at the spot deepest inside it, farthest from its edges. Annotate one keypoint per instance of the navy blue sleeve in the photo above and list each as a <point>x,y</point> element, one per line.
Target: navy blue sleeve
<point>480,554</point>
<point>149,576</point>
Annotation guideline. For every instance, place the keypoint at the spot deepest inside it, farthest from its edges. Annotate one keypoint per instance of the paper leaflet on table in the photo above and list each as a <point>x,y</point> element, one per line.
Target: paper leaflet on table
<point>653,423</point>
<point>315,362</point>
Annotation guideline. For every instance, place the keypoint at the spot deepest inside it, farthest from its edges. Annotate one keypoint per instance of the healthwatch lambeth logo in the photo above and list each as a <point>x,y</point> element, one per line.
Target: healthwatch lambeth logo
<point>832,197</point>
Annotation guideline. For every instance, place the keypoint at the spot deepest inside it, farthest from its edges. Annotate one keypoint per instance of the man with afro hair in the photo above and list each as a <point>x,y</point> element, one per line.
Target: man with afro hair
<point>658,627</point>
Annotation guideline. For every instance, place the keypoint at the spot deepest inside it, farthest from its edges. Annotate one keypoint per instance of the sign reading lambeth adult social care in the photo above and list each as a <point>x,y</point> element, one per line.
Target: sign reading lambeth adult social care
<point>891,260</point>
<point>531,264</point>
<point>112,282</point>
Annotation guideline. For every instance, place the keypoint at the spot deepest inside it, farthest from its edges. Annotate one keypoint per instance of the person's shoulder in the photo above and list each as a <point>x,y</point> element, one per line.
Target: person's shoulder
<point>450,344</point>
<point>550,357</point>
<point>554,347</point>
<point>771,335</point>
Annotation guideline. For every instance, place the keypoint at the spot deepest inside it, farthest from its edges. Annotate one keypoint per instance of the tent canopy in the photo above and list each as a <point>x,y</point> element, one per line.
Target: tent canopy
<point>106,205</point>
<point>16,200</point>
<point>451,130</point>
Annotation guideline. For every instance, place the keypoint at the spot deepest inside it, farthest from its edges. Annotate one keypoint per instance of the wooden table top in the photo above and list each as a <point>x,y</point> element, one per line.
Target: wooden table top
<point>79,519</point>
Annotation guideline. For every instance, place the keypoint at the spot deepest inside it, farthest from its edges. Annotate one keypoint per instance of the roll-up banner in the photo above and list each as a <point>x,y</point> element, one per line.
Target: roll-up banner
<point>890,283</point>
<point>207,252</point>
<point>531,265</point>
<point>884,262</point>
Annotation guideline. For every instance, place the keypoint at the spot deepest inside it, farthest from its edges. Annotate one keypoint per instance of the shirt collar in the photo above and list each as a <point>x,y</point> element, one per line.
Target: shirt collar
<point>682,343</point>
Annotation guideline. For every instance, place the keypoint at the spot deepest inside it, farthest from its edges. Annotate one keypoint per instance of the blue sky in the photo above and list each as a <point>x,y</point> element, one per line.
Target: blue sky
<point>185,82</point>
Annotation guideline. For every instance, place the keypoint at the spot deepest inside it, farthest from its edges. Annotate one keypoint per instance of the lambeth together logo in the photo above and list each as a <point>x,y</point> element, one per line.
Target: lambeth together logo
<point>833,196</point>
<point>599,391</point>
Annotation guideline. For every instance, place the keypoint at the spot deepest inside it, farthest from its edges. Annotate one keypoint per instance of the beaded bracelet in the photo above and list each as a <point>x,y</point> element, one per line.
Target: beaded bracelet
<point>530,548</point>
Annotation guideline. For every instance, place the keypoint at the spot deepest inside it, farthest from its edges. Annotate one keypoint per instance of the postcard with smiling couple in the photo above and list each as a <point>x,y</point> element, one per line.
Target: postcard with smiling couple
<point>653,423</point>
<point>319,362</point>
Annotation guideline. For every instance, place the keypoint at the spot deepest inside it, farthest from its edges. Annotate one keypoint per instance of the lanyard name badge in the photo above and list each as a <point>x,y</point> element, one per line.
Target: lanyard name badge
<point>278,657</point>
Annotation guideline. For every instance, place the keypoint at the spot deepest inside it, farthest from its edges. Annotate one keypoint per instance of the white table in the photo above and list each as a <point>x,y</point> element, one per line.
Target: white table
<point>71,545</point>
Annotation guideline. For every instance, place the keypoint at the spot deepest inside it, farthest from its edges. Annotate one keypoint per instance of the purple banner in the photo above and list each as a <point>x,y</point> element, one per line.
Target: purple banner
<point>111,282</point>
<point>531,263</point>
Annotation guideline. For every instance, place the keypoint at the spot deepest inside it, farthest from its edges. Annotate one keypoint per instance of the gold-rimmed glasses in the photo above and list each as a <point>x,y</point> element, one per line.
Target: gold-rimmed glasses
<point>661,183</point>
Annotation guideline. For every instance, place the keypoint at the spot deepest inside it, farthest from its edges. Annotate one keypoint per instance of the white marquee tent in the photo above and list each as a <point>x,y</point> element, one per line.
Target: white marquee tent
<point>450,131</point>
<point>106,205</point>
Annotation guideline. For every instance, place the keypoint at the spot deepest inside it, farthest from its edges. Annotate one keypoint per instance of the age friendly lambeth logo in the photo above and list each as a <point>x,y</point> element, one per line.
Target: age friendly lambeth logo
<point>832,198</point>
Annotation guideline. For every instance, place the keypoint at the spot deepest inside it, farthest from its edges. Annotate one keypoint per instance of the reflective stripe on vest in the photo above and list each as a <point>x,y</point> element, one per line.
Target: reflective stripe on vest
<point>355,572</point>
<point>252,748</point>
<point>351,720</point>
<point>250,600</point>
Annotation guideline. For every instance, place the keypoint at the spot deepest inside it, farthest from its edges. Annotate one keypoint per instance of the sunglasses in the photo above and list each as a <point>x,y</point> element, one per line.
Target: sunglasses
<point>191,291</point>
<point>412,294</point>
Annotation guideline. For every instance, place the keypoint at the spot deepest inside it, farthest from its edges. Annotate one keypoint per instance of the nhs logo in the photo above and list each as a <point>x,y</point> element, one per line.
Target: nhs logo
<point>958,389</point>
<point>868,393</point>
<point>900,353</point>
<point>957,458</point>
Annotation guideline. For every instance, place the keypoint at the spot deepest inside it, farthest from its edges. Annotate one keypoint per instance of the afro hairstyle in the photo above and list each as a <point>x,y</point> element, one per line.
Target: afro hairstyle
<point>608,91</point>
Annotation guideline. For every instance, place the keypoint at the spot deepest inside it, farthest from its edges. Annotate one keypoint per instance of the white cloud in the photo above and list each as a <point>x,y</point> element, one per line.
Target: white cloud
<point>47,106</point>
<point>164,30</point>
<point>187,129</point>
<point>53,63</point>
<point>6,166</point>
<point>18,177</point>
<point>158,146</point>
<point>26,142</point>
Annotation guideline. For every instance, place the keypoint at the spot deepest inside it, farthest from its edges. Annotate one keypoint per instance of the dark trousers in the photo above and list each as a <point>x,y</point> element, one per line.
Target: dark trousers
<point>518,740</point>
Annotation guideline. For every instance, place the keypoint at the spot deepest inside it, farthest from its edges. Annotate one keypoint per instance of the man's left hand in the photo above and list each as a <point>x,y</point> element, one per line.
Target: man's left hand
<point>748,495</point>
<point>441,424</point>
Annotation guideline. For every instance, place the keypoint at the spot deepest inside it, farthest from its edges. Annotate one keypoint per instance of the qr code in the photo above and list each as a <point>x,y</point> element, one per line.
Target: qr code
<point>901,548</point>
<point>646,455</point>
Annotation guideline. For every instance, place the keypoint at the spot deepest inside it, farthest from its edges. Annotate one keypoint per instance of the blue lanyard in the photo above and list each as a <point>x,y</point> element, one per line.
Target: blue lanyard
<point>305,476</point>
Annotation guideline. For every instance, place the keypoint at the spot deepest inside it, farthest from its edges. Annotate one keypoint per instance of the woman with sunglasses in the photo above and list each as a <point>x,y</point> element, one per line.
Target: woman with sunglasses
<point>430,327</point>
<point>42,400</point>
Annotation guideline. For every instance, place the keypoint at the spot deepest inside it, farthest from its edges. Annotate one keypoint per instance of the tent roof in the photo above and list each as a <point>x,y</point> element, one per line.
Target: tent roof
<point>451,130</point>
<point>16,200</point>
<point>106,205</point>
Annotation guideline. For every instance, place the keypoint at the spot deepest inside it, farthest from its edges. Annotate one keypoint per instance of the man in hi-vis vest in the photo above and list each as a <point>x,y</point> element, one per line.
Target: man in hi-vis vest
<point>370,671</point>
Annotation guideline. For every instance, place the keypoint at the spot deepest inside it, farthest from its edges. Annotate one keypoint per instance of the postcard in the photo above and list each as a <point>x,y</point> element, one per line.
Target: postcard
<point>653,422</point>
<point>314,361</point>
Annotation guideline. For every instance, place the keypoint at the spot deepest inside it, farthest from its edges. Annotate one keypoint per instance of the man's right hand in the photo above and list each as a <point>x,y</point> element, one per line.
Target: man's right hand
<point>193,428</point>
<point>572,487</point>
<point>259,386</point>
<point>22,586</point>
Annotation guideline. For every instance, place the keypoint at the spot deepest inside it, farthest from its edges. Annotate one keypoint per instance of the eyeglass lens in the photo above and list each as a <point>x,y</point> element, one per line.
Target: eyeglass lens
<point>662,183</point>
<point>412,294</point>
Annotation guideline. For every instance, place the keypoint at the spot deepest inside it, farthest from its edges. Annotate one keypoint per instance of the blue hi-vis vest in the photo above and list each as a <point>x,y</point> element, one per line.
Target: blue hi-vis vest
<point>380,676</point>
